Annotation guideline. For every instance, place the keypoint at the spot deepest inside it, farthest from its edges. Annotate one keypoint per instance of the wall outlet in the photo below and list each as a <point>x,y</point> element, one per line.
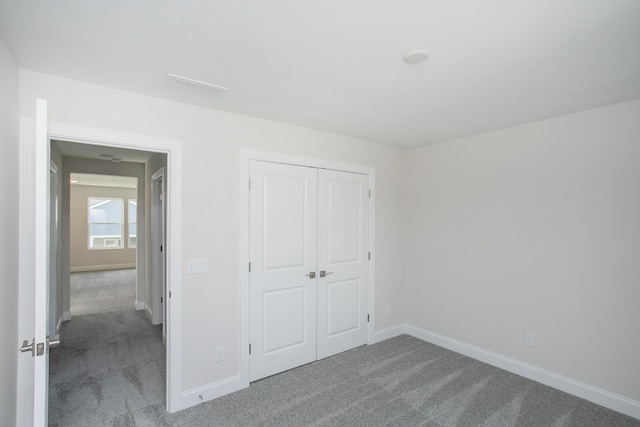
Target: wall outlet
<point>529,340</point>
<point>219,355</point>
<point>196,266</point>
<point>387,310</point>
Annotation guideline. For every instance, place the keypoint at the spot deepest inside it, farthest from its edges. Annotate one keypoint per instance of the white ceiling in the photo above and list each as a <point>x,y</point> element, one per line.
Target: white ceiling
<point>337,65</point>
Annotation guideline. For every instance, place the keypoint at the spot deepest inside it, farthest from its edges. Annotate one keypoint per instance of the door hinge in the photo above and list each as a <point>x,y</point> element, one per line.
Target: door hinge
<point>249,348</point>
<point>249,267</point>
<point>368,318</point>
<point>161,300</point>
<point>161,248</point>
<point>369,193</point>
<point>369,256</point>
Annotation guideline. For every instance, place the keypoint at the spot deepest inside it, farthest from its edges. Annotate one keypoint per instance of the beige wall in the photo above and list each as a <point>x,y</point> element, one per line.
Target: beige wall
<point>528,229</point>
<point>81,257</point>
<point>56,157</point>
<point>9,162</point>
<point>212,144</point>
<point>534,229</point>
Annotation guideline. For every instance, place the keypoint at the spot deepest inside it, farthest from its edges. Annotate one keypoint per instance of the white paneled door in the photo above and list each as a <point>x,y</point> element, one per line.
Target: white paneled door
<point>283,254</point>
<point>308,239</point>
<point>343,277</point>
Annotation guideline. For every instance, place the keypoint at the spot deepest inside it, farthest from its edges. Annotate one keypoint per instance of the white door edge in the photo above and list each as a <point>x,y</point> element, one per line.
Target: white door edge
<point>247,155</point>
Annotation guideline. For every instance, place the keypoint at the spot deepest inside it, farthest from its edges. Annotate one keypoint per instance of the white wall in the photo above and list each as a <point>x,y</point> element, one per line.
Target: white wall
<point>535,229</point>
<point>211,200</point>
<point>81,258</point>
<point>9,161</point>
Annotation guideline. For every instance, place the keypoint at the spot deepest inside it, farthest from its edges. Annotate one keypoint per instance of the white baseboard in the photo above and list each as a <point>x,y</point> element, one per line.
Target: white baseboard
<point>147,310</point>
<point>66,315</point>
<point>211,391</point>
<point>387,333</point>
<point>140,305</point>
<point>585,391</point>
<point>101,267</point>
<point>59,324</point>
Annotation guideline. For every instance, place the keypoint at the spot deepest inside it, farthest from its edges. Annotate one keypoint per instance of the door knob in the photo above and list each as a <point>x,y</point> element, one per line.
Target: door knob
<point>311,275</point>
<point>325,273</point>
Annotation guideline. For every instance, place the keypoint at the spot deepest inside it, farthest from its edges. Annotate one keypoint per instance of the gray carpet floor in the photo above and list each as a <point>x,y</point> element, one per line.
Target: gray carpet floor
<point>109,371</point>
<point>102,291</point>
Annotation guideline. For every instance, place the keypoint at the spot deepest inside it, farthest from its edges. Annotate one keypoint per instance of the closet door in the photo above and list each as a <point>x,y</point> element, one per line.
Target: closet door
<point>343,246</point>
<point>283,255</point>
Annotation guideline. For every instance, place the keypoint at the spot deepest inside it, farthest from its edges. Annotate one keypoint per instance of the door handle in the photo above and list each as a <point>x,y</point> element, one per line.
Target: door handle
<point>311,275</point>
<point>52,343</point>
<point>325,273</point>
<point>28,347</point>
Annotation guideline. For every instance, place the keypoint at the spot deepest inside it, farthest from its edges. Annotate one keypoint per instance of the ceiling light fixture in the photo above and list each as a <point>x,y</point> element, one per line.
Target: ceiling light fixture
<point>107,156</point>
<point>416,56</point>
<point>197,83</point>
<point>116,160</point>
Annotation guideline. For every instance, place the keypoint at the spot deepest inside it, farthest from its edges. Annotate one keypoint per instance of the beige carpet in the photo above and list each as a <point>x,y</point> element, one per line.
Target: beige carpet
<point>103,291</point>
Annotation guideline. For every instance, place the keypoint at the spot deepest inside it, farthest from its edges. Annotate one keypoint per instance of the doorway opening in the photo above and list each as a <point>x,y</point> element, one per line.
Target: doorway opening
<point>35,320</point>
<point>102,243</point>
<point>104,282</point>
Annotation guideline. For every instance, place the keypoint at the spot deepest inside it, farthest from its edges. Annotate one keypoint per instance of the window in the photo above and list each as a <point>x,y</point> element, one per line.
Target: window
<point>106,223</point>
<point>131,217</point>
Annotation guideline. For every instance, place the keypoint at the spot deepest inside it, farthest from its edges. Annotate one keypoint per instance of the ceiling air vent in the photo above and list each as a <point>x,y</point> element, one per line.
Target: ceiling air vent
<point>196,86</point>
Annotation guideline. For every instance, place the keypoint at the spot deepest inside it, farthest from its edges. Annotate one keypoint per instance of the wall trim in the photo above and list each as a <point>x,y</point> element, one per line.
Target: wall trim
<point>66,315</point>
<point>147,310</point>
<point>140,305</point>
<point>173,149</point>
<point>390,332</point>
<point>588,392</point>
<point>59,324</point>
<point>195,396</point>
<point>102,267</point>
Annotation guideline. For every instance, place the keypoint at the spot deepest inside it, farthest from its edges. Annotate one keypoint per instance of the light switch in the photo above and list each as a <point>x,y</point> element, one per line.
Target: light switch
<point>196,266</point>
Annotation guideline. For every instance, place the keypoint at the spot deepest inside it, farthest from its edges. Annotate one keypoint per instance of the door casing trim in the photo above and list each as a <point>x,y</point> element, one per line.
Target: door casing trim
<point>173,149</point>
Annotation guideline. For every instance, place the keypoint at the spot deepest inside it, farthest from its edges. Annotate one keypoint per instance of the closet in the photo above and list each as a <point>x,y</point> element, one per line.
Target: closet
<point>309,251</point>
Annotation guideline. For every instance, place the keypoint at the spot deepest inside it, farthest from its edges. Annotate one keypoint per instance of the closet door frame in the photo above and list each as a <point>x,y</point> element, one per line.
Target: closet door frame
<point>246,157</point>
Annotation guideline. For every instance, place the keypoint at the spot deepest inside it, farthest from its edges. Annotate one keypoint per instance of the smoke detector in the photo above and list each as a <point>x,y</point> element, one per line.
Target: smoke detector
<point>416,56</point>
